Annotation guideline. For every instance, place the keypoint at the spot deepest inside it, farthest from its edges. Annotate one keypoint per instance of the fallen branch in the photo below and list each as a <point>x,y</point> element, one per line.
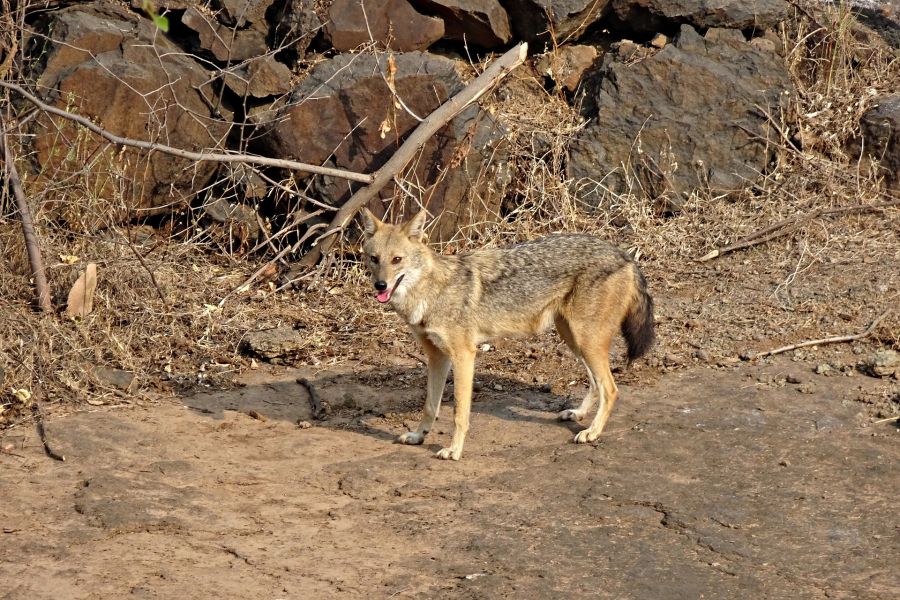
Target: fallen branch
<point>894,418</point>
<point>788,225</point>
<point>427,128</point>
<point>828,340</point>
<point>318,411</point>
<point>181,153</point>
<point>42,432</point>
<point>25,216</point>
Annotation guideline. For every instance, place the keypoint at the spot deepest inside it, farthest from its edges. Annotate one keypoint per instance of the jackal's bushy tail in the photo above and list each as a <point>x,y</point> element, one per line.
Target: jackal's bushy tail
<point>637,328</point>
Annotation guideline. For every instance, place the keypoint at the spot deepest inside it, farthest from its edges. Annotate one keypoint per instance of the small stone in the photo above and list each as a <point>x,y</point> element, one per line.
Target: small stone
<point>784,463</point>
<point>807,388</point>
<point>271,344</point>
<point>671,360</point>
<point>304,424</point>
<point>546,388</point>
<point>498,387</point>
<point>659,40</point>
<point>747,355</point>
<point>485,347</point>
<point>792,378</point>
<point>702,355</point>
<point>116,378</point>
<point>883,363</point>
<point>823,369</point>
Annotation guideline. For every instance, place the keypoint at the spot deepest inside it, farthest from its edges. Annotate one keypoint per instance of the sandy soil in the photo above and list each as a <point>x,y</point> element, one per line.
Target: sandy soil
<point>709,483</point>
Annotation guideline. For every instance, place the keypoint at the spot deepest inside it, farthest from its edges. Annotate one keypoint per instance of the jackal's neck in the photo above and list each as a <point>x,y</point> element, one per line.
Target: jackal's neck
<point>426,284</point>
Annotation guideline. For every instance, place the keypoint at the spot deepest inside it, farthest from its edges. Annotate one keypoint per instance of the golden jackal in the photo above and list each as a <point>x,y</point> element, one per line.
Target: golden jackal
<point>583,285</point>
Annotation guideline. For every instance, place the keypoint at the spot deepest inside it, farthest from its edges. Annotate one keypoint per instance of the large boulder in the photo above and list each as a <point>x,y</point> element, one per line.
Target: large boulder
<point>558,20</point>
<point>296,24</point>
<point>345,115</point>
<point>482,23</point>
<point>652,15</point>
<point>242,13</point>
<point>118,70</point>
<point>390,24</point>
<point>880,128</point>
<point>689,116</point>
<point>227,43</point>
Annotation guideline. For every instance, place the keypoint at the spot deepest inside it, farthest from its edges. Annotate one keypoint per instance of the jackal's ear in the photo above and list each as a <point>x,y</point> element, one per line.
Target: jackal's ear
<point>370,222</point>
<point>415,228</point>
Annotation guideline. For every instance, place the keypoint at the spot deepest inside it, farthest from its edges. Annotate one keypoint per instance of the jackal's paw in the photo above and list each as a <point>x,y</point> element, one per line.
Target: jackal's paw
<point>585,437</point>
<point>448,454</point>
<point>570,414</point>
<point>411,437</point>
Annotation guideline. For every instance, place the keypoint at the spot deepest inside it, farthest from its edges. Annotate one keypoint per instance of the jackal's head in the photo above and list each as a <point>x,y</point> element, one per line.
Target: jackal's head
<point>395,254</point>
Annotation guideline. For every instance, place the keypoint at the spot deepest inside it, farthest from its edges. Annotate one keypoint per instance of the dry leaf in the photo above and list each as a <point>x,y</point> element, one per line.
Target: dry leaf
<point>81,296</point>
<point>69,259</point>
<point>22,394</point>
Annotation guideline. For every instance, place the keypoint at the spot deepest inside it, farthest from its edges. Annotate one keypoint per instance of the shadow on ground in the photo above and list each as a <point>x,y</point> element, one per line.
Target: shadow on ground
<point>717,484</point>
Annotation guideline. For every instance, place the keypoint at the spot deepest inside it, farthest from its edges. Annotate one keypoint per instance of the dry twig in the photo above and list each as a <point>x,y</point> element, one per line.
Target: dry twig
<point>181,153</point>
<point>27,220</point>
<point>829,340</point>
<point>318,411</point>
<point>788,225</point>
<point>38,412</point>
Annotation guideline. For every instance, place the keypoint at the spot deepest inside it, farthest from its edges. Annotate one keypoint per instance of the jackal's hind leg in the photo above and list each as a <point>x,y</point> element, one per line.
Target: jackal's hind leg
<point>577,414</point>
<point>607,391</point>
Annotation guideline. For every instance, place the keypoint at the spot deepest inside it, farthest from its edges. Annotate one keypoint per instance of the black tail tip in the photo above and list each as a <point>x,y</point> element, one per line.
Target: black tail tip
<point>638,328</point>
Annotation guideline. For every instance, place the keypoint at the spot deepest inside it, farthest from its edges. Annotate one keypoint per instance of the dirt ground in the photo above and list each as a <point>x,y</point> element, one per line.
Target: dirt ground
<point>717,476</point>
<point>761,480</point>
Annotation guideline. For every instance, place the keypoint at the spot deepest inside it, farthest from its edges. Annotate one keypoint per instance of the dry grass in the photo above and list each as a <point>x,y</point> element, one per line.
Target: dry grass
<point>829,276</point>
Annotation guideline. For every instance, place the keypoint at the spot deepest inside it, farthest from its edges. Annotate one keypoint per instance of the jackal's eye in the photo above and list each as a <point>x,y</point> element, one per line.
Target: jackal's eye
<point>374,259</point>
<point>396,260</point>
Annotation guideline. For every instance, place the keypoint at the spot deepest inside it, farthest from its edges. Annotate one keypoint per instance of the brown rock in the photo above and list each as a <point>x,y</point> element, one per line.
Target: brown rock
<point>259,78</point>
<point>296,23</point>
<point>358,126</point>
<point>567,65</point>
<point>880,128</point>
<point>883,363</point>
<point>243,12</point>
<point>563,20</point>
<point>117,378</point>
<point>226,44</point>
<point>659,41</point>
<point>394,24</point>
<point>481,23</point>
<point>684,118</point>
<point>274,343</point>
<point>653,15</point>
<point>113,67</point>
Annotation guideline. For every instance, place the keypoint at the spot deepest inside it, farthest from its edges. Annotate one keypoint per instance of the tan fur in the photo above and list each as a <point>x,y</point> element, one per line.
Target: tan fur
<point>585,287</point>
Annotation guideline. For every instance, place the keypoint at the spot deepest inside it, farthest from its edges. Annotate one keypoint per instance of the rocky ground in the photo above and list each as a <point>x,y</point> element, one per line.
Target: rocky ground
<point>194,465</point>
<point>764,480</point>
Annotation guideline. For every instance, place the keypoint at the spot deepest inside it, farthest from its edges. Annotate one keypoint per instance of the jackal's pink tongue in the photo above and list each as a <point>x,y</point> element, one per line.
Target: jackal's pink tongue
<point>384,296</point>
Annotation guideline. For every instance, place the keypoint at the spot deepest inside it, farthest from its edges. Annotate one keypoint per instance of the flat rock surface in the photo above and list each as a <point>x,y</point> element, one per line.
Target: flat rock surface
<point>710,483</point>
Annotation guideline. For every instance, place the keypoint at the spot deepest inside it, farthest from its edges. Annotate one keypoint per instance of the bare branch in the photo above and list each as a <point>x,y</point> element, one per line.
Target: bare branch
<point>788,225</point>
<point>25,216</point>
<point>828,340</point>
<point>196,156</point>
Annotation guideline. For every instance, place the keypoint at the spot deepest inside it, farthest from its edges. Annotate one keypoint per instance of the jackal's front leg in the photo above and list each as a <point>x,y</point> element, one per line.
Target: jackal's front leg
<point>438,367</point>
<point>463,371</point>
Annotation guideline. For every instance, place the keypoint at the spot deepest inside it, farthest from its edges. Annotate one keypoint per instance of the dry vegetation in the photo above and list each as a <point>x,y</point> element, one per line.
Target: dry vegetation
<point>157,311</point>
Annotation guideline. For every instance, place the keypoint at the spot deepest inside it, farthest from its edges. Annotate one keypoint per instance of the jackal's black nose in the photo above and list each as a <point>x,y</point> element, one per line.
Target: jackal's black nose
<point>381,285</point>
